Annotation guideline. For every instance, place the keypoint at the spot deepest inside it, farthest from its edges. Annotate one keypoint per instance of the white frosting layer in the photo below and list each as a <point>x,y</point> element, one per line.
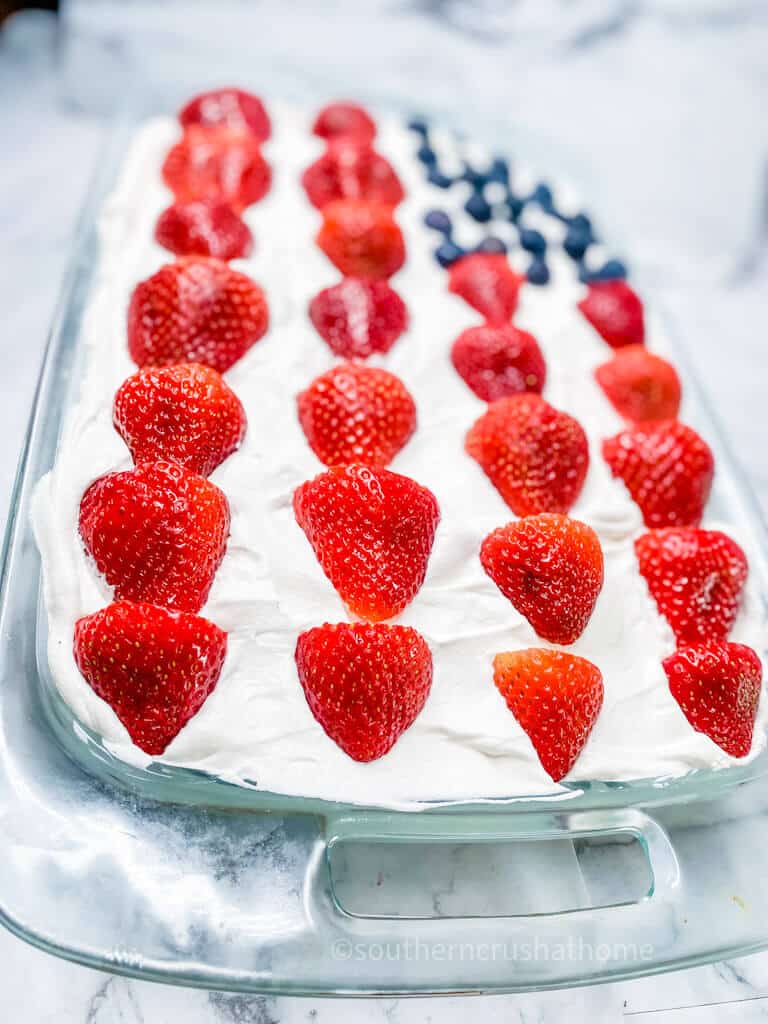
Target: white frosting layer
<point>256,726</point>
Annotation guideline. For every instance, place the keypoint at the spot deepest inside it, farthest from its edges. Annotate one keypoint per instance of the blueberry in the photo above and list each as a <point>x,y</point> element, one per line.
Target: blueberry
<point>477,206</point>
<point>427,155</point>
<point>542,195</point>
<point>611,270</point>
<point>491,244</point>
<point>436,177</point>
<point>515,206</point>
<point>448,253</point>
<point>418,124</point>
<point>499,171</point>
<point>538,272</point>
<point>476,178</point>
<point>581,222</point>
<point>438,220</point>
<point>576,242</point>
<point>533,241</point>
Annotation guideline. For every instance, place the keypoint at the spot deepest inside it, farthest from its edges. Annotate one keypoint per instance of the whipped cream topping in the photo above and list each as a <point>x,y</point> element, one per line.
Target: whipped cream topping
<point>256,728</point>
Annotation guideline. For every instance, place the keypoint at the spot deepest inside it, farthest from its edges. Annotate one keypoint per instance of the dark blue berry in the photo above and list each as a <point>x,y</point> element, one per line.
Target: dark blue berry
<point>436,177</point>
<point>499,171</point>
<point>476,178</point>
<point>477,206</point>
<point>538,272</point>
<point>611,270</point>
<point>581,222</point>
<point>418,124</point>
<point>576,242</point>
<point>533,241</point>
<point>427,155</point>
<point>448,253</point>
<point>491,244</point>
<point>515,206</point>
<point>542,195</point>
<point>438,220</point>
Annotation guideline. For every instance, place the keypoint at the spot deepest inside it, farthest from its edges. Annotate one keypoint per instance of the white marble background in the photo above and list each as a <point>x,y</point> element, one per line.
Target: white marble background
<point>660,103</point>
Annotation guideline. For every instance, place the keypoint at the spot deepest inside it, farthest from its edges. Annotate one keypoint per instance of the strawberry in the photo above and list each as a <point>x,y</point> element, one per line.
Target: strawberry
<point>350,171</point>
<point>372,532</point>
<point>155,668</point>
<point>666,467</point>
<point>185,414</point>
<point>207,227</point>
<point>195,310</point>
<point>357,413</point>
<point>217,163</point>
<point>157,533</point>
<point>365,684</point>
<point>496,360</point>
<point>231,108</point>
<point>344,121</point>
<point>615,311</point>
<point>534,455</point>
<point>641,386</point>
<point>696,578</point>
<point>486,282</point>
<point>357,317</point>
<point>717,686</point>
<point>361,238</point>
<point>555,697</point>
<point>551,568</point>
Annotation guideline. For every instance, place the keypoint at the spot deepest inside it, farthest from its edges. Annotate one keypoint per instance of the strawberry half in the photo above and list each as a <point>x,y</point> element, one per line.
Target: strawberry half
<point>231,108</point>
<point>365,684</point>
<point>157,534</point>
<point>344,121</point>
<point>185,414</point>
<point>534,455</point>
<point>616,313</point>
<point>487,283</point>
<point>355,413</point>
<point>361,239</point>
<point>351,171</point>
<point>717,686</point>
<point>551,568</point>
<point>496,360</point>
<point>153,667</point>
<point>555,697</point>
<point>666,467</point>
<point>207,227</point>
<point>696,578</point>
<point>372,532</point>
<point>197,310</point>
<point>217,163</point>
<point>357,317</point>
<point>640,386</point>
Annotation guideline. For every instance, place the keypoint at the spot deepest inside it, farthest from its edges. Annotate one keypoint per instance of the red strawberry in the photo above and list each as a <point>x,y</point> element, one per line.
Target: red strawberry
<point>641,386</point>
<point>207,227</point>
<point>616,313</point>
<point>666,467</point>
<point>365,684</point>
<point>488,283</point>
<point>350,171</point>
<point>372,532</point>
<point>534,455</point>
<point>499,360</point>
<point>153,667</point>
<point>357,413</point>
<point>344,121</point>
<point>185,414</point>
<point>555,697</point>
<point>217,163</point>
<point>717,686</point>
<point>195,310</point>
<point>696,578</point>
<point>357,317</point>
<point>361,238</point>
<point>551,569</point>
<point>157,533</point>
<point>232,108</point>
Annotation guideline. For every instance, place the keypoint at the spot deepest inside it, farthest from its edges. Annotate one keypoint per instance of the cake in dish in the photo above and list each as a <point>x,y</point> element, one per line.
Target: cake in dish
<point>399,504</point>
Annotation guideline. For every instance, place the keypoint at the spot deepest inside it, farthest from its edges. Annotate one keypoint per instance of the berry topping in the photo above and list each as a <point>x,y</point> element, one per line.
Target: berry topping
<point>357,413</point>
<point>153,667</point>
<point>358,317</point>
<point>207,227</point>
<point>195,310</point>
<point>615,311</point>
<point>372,532</point>
<point>496,360</point>
<point>157,533</point>
<point>717,686</point>
<point>185,414</point>
<point>555,697</point>
<point>344,121</point>
<point>666,467</point>
<point>361,238</point>
<point>365,684</point>
<point>349,171</point>
<point>696,578</point>
<point>230,108</point>
<point>217,163</point>
<point>534,455</point>
<point>641,386</point>
<point>551,568</point>
<point>486,281</point>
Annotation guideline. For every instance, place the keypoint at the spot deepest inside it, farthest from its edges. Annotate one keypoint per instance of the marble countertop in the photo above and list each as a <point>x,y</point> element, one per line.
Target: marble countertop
<point>661,102</point>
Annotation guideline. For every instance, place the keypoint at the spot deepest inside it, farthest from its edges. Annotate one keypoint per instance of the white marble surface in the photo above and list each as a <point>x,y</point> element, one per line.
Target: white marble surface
<point>661,102</point>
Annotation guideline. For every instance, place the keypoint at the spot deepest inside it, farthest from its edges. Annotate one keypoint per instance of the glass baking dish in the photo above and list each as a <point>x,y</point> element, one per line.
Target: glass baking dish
<point>171,874</point>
